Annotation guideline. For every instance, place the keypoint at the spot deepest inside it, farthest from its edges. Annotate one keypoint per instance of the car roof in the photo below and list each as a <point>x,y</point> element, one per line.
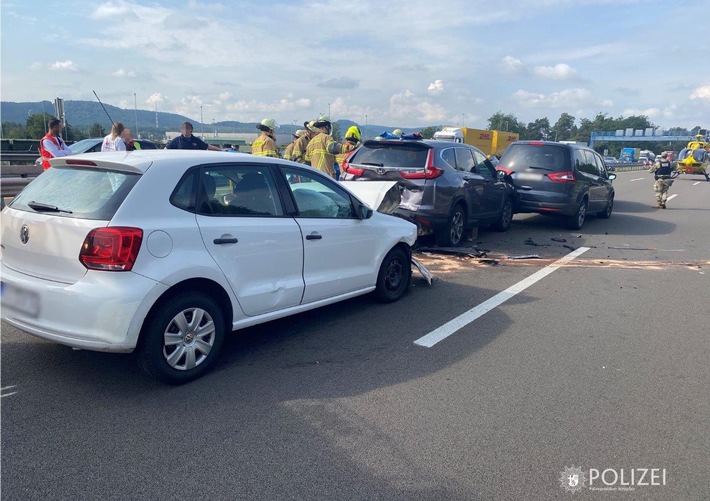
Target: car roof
<point>430,142</point>
<point>140,160</point>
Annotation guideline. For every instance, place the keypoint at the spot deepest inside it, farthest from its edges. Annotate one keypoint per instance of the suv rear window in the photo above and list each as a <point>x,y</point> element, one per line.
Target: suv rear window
<point>391,155</point>
<point>77,193</point>
<point>519,157</point>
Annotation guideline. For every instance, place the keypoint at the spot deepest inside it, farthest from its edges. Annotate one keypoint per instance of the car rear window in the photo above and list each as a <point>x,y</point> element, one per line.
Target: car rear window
<point>77,193</point>
<point>549,157</point>
<point>391,155</point>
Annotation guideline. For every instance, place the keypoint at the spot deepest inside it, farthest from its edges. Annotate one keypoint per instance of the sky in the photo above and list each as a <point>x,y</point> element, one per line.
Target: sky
<point>402,64</point>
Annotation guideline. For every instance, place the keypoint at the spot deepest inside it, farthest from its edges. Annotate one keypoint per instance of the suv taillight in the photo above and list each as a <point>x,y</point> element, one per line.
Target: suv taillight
<point>562,177</point>
<point>428,172</point>
<point>111,249</point>
<point>354,171</point>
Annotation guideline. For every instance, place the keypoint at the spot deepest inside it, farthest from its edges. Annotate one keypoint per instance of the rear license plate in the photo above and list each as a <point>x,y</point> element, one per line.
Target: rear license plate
<point>529,176</point>
<point>20,300</point>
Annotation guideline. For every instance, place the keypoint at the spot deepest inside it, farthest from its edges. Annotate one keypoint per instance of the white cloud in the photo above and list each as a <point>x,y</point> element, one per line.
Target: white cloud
<point>154,98</point>
<point>512,65</point>
<point>63,66</point>
<point>122,72</point>
<point>340,83</point>
<point>257,110</point>
<point>557,72</point>
<point>436,87</point>
<point>224,96</point>
<point>565,98</point>
<point>702,93</point>
<point>110,10</point>
<point>36,66</point>
<point>406,105</point>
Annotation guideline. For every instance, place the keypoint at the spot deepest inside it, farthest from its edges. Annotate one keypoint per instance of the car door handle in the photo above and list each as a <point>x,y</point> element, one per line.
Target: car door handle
<point>314,236</point>
<point>225,241</point>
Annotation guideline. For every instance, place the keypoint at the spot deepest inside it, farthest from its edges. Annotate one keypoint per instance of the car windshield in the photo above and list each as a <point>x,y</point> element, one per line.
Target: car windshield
<point>519,157</point>
<point>77,193</point>
<point>83,145</point>
<point>392,155</point>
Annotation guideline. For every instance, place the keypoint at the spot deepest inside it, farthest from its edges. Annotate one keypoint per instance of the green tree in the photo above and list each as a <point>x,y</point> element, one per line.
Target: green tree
<point>564,129</point>
<point>13,130</point>
<point>428,132</point>
<point>506,122</point>
<point>96,130</point>
<point>538,130</point>
<point>36,125</point>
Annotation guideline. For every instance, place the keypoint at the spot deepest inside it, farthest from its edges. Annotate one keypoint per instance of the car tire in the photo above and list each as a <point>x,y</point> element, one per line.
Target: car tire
<point>576,221</point>
<point>506,216</point>
<point>175,353</point>
<point>606,213</point>
<point>454,232</point>
<point>394,276</point>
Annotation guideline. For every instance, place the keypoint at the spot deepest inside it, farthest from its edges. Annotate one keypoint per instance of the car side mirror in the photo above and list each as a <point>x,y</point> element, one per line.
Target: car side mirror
<point>611,176</point>
<point>501,174</point>
<point>364,212</point>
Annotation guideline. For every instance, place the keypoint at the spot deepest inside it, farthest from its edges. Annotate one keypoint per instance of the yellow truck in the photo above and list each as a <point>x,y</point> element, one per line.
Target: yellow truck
<point>490,142</point>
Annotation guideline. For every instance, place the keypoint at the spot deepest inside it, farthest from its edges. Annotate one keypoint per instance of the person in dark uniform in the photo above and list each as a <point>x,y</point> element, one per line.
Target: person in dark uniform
<point>186,141</point>
<point>662,172</point>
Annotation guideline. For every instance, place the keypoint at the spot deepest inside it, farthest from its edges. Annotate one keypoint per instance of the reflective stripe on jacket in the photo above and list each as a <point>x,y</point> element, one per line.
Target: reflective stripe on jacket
<point>321,152</point>
<point>264,146</point>
<point>298,154</point>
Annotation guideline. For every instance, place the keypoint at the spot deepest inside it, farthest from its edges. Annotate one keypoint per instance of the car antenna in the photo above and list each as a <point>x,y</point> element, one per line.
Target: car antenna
<point>102,105</point>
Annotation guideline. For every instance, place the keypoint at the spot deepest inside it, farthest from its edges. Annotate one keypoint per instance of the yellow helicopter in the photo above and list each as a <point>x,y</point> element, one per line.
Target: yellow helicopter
<point>695,158</point>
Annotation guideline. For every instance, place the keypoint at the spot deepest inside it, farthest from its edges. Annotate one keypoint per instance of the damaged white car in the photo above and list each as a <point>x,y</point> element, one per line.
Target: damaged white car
<point>168,251</point>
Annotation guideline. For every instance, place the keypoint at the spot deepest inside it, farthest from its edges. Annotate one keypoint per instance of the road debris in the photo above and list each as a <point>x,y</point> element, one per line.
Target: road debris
<point>634,248</point>
<point>423,270</point>
<point>526,256</point>
<point>453,251</point>
<point>530,241</point>
<point>556,239</point>
<point>492,262</point>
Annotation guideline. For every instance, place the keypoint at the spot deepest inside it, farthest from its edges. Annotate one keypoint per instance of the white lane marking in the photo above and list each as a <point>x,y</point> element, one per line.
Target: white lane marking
<point>638,179</point>
<point>5,388</point>
<point>672,197</point>
<point>466,318</point>
<point>696,183</point>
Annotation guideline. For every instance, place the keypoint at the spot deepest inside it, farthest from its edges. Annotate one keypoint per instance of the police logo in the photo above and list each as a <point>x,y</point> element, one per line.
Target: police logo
<point>24,234</point>
<point>573,479</point>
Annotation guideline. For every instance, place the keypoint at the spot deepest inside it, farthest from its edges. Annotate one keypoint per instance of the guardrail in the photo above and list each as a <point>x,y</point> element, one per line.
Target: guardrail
<point>15,158</point>
<point>626,167</point>
<point>15,178</point>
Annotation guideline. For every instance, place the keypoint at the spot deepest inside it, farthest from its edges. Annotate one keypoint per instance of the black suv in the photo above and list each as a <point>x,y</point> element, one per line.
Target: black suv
<point>565,179</point>
<point>447,188</point>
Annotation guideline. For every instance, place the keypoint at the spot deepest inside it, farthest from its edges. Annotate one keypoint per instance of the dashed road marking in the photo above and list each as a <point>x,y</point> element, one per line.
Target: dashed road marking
<point>672,196</point>
<point>5,388</point>
<point>638,179</point>
<point>464,319</point>
<point>696,183</point>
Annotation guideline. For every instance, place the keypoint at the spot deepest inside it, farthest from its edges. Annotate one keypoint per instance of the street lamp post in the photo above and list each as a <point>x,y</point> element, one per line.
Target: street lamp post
<point>135,111</point>
<point>202,124</point>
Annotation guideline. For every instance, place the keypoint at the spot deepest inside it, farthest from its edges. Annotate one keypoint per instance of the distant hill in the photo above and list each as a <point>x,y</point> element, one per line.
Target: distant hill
<point>83,114</point>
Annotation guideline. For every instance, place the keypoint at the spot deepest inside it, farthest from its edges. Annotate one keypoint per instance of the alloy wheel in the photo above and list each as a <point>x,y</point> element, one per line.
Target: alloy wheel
<point>188,339</point>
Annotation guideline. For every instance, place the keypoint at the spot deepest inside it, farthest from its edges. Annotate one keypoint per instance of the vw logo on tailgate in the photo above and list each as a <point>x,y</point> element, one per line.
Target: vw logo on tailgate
<point>24,234</point>
<point>380,171</point>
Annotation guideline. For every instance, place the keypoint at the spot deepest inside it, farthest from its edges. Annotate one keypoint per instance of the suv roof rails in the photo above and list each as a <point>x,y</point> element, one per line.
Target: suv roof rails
<point>389,136</point>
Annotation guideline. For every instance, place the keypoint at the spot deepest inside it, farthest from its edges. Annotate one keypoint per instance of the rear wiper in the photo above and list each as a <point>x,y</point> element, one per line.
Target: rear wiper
<point>40,207</point>
<point>540,168</point>
<point>372,163</point>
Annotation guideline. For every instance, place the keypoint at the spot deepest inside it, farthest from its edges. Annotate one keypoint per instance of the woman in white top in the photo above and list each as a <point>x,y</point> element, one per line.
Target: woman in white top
<point>114,142</point>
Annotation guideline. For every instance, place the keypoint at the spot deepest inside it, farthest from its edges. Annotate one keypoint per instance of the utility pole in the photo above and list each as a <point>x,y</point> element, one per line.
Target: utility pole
<point>202,125</point>
<point>329,117</point>
<point>135,110</point>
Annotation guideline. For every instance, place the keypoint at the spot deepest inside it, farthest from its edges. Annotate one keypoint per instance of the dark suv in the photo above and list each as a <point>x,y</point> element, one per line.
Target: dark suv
<point>565,179</point>
<point>447,188</point>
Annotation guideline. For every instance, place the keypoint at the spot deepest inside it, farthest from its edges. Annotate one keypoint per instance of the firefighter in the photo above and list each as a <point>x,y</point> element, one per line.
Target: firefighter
<point>264,145</point>
<point>298,154</point>
<point>322,148</point>
<point>352,136</point>
<point>289,149</point>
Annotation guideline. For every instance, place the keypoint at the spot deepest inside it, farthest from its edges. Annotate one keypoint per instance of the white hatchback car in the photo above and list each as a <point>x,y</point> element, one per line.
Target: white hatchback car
<point>166,251</point>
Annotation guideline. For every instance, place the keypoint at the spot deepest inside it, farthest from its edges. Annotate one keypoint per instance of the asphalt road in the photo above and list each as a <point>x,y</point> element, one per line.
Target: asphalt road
<point>602,364</point>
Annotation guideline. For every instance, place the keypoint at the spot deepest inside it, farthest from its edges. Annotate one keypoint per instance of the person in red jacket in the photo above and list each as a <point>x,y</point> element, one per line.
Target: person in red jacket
<point>52,145</point>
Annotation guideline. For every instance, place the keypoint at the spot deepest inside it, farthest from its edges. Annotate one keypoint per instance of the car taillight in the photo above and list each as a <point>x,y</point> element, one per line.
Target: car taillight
<point>354,171</point>
<point>111,249</point>
<point>428,172</point>
<point>562,177</point>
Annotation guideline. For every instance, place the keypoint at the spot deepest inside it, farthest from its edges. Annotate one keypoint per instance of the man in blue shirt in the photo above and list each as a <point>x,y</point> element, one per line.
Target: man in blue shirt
<point>186,141</point>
